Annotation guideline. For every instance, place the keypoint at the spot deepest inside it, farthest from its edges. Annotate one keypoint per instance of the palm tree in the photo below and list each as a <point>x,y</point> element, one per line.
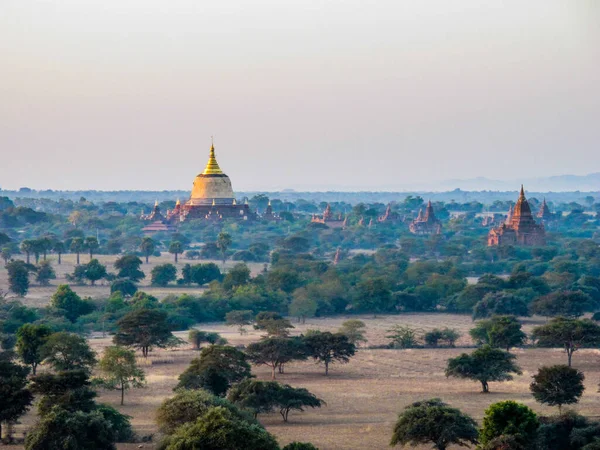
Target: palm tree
<point>76,247</point>
<point>176,248</point>
<point>59,249</point>
<point>27,247</point>
<point>91,243</point>
<point>223,242</point>
<point>147,247</point>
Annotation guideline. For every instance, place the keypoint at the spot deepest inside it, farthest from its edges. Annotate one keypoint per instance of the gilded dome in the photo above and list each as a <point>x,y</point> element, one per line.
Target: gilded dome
<point>211,186</point>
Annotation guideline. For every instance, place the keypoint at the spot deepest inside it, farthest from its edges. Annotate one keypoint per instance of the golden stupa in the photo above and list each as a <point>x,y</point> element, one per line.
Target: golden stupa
<point>211,186</point>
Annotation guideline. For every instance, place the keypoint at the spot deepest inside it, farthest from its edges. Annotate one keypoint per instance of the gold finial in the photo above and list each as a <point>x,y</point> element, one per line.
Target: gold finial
<point>234,202</point>
<point>213,203</point>
<point>155,202</point>
<point>212,166</point>
<point>177,203</point>
<point>269,202</point>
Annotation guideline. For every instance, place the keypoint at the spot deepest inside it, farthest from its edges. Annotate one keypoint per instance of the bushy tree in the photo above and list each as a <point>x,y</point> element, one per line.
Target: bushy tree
<point>68,351</point>
<point>144,329</point>
<point>500,303</point>
<point>266,396</point>
<point>499,331</point>
<point>509,418</point>
<point>18,277</point>
<point>163,274</point>
<point>45,272</point>
<point>570,334</point>
<point>328,348</point>
<point>276,351</point>
<point>128,266</point>
<point>217,368</point>
<point>437,335</point>
<point>120,371</point>
<point>197,337</point>
<point>79,430</point>
<point>557,385</point>
<point>94,271</point>
<point>240,319</point>
<point>436,422</point>
<point>273,323</point>
<point>563,303</point>
<point>176,248</point>
<point>70,390</point>
<point>68,301</point>
<point>16,397</point>
<point>484,365</point>
<point>30,340</point>
<point>218,429</point>
<point>189,404</point>
<point>299,446</point>
<point>303,305</point>
<point>125,286</point>
<point>402,336</point>
<point>354,330</point>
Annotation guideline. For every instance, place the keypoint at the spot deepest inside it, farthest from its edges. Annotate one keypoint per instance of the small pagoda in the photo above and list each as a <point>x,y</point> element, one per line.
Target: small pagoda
<point>426,224</point>
<point>329,219</point>
<point>520,228</point>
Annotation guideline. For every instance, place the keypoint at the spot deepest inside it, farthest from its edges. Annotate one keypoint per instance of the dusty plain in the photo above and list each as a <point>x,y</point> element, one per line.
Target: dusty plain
<point>363,397</point>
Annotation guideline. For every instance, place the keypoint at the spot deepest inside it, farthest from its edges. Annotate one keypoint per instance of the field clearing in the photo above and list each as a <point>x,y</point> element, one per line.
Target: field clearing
<point>364,396</point>
<point>39,295</point>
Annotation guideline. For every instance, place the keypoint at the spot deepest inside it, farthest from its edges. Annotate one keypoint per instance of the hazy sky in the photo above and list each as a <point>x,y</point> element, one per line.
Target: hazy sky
<point>307,94</point>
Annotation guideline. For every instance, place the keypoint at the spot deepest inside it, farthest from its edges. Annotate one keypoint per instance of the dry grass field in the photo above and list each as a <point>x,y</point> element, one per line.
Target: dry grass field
<point>364,396</point>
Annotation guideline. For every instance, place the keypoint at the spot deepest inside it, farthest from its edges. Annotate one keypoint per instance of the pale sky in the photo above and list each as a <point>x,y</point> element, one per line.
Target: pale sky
<point>307,94</point>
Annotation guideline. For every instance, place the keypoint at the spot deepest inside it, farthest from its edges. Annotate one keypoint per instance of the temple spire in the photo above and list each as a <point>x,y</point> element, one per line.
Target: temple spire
<point>522,195</point>
<point>212,166</point>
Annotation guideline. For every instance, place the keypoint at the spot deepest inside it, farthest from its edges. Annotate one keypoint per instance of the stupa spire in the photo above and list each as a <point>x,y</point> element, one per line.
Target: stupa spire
<point>212,166</point>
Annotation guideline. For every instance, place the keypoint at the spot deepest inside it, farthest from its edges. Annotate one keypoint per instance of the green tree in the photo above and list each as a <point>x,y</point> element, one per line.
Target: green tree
<point>18,277</point>
<point>120,371</point>
<point>265,396</point>
<point>273,323</point>
<point>402,336</point>
<point>176,248</point>
<point>218,367</point>
<point>68,351</point>
<point>447,335</point>
<point>77,246</point>
<point>129,267</point>
<point>238,275</point>
<point>16,397</point>
<point>484,365</point>
<point>61,429</point>
<point>205,273</point>
<point>570,334</point>
<point>436,422</point>
<point>147,247</point>
<point>70,390</point>
<point>197,337</point>
<point>30,340</point>
<point>563,303</point>
<point>499,331</point>
<point>219,429</point>
<point>374,295</point>
<point>68,301</point>
<point>95,271</point>
<point>239,318</point>
<point>91,244</point>
<point>299,446</point>
<point>6,253</point>
<point>274,352</point>
<point>224,241</point>
<point>328,348</point>
<point>45,273</point>
<point>27,247</point>
<point>557,385</point>
<point>59,248</point>
<point>144,329</point>
<point>163,274</point>
<point>188,405</point>
<point>509,418</point>
<point>125,286</point>
<point>302,305</point>
<point>500,303</point>
<point>353,329</point>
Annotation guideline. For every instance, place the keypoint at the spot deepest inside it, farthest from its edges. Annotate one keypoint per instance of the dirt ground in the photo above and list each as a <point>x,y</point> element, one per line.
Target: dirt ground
<point>363,397</point>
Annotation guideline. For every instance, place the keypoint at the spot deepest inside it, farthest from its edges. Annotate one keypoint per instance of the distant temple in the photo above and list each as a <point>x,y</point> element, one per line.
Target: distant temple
<point>158,222</point>
<point>328,218</point>
<point>270,215</point>
<point>519,228</point>
<point>389,215</point>
<point>426,224</point>
<point>544,213</point>
<point>212,198</point>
